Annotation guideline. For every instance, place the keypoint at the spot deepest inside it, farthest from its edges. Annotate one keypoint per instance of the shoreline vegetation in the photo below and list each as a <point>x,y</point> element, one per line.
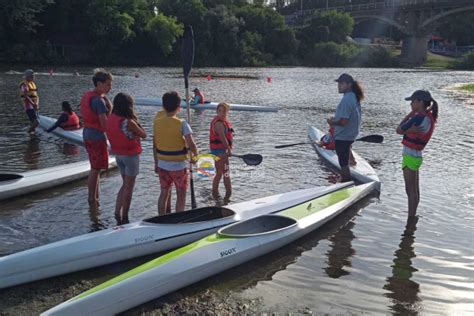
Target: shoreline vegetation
<point>230,33</point>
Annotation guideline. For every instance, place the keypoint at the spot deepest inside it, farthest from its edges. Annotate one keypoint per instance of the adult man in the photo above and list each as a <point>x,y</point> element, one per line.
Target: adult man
<point>29,95</point>
<point>95,107</point>
<point>346,121</point>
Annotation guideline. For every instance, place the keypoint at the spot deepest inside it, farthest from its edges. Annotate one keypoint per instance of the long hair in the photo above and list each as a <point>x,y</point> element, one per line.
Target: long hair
<point>433,107</point>
<point>123,105</point>
<point>358,91</point>
<point>66,107</point>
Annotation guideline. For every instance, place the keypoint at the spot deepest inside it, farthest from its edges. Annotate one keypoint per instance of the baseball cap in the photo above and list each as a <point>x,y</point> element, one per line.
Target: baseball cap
<point>29,72</point>
<point>345,78</point>
<point>195,89</point>
<point>423,95</point>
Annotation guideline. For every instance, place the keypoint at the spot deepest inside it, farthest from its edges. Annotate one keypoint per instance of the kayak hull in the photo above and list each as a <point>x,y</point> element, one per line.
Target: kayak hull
<point>208,105</point>
<point>138,239</point>
<point>362,171</point>
<point>229,247</point>
<point>74,136</point>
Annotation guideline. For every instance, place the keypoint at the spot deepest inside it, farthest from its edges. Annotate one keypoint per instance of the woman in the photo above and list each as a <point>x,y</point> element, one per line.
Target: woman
<point>124,133</point>
<point>220,141</point>
<point>68,120</point>
<point>416,128</point>
<point>346,122</point>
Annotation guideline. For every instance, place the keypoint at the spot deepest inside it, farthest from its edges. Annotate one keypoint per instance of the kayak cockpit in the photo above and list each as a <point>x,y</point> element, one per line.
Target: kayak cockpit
<point>4,177</point>
<point>202,214</point>
<point>261,225</point>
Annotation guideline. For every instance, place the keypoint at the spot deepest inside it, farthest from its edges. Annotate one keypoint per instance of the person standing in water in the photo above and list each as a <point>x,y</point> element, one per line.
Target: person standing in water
<point>29,95</point>
<point>346,122</point>
<point>124,134</point>
<point>221,135</point>
<point>416,128</point>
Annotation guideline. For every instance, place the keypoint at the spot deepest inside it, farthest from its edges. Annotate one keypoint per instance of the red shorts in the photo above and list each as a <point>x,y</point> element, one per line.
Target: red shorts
<point>98,153</point>
<point>178,177</point>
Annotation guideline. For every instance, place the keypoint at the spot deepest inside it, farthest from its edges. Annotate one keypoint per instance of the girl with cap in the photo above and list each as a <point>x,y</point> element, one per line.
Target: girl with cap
<point>416,128</point>
<point>221,134</point>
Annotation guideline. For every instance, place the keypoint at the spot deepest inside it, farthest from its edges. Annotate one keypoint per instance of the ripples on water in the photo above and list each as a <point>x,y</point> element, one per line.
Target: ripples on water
<point>367,260</point>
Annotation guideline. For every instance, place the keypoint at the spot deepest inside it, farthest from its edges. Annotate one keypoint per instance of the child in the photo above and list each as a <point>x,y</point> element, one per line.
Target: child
<point>327,141</point>
<point>170,136</point>
<point>416,128</point>
<point>68,120</point>
<point>124,133</point>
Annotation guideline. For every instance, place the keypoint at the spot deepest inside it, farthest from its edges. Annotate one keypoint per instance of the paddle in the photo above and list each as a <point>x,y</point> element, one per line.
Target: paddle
<point>369,139</point>
<point>188,58</point>
<point>250,159</point>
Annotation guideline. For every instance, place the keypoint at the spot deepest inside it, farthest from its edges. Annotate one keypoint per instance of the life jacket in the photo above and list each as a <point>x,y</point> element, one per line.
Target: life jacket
<point>32,91</point>
<point>119,142</point>
<point>72,122</point>
<point>328,140</point>
<point>91,118</point>
<point>418,141</point>
<point>214,140</point>
<point>170,144</point>
<point>201,99</point>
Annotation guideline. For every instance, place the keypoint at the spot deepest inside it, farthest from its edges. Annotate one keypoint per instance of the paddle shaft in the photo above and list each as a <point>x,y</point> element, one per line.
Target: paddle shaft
<point>369,139</point>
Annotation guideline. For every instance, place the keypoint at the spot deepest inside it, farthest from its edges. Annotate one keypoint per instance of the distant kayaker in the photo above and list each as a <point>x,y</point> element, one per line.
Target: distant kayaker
<point>29,95</point>
<point>95,108</point>
<point>124,134</point>
<point>416,128</point>
<point>198,97</point>
<point>170,137</point>
<point>346,122</point>
<point>221,135</point>
<point>68,120</point>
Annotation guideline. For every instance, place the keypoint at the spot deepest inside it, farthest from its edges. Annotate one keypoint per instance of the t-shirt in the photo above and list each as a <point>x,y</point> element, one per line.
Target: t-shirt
<point>196,100</point>
<point>424,123</point>
<point>176,165</point>
<point>349,108</point>
<point>89,133</point>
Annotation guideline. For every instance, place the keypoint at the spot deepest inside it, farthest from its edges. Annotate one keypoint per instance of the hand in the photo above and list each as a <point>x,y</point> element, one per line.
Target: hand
<point>330,121</point>
<point>228,152</point>
<point>414,129</point>
<point>156,167</point>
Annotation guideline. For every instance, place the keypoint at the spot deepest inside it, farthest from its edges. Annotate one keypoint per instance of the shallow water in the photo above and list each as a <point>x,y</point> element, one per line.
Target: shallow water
<point>365,261</point>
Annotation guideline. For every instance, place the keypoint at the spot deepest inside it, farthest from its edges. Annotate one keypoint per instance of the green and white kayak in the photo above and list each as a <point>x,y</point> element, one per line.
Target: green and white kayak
<point>208,105</point>
<point>229,247</point>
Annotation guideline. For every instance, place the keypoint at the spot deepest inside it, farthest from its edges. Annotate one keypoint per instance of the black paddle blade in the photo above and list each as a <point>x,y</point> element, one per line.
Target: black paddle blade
<point>252,159</point>
<point>188,52</point>
<point>371,139</point>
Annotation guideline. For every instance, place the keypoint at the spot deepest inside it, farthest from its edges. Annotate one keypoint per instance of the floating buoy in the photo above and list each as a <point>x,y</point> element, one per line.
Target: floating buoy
<point>51,72</point>
<point>269,79</point>
<point>137,75</point>
<point>209,77</point>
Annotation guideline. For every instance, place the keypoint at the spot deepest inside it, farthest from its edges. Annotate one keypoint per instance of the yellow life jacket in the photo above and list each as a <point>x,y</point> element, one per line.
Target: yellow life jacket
<point>170,144</point>
<point>32,91</point>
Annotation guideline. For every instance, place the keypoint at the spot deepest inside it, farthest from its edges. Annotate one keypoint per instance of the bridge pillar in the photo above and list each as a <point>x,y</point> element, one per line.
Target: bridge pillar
<point>414,50</point>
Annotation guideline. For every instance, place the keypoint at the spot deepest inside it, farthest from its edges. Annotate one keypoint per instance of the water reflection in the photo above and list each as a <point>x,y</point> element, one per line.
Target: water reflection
<point>341,251</point>
<point>32,153</point>
<point>96,223</point>
<point>404,291</point>
<point>71,150</point>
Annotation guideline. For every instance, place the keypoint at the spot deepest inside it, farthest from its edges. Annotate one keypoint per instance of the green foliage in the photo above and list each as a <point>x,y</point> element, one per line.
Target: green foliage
<point>164,31</point>
<point>455,28</point>
<point>467,62</point>
<point>374,57</point>
<point>468,87</point>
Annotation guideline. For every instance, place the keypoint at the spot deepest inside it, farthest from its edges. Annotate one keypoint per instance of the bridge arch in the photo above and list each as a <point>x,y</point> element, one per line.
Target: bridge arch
<point>425,25</point>
<point>383,19</point>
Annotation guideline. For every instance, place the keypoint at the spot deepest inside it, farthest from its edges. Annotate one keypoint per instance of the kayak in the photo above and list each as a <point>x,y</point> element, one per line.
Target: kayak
<point>208,105</point>
<point>141,238</point>
<point>74,136</point>
<point>16,184</point>
<point>230,246</point>
<point>362,171</point>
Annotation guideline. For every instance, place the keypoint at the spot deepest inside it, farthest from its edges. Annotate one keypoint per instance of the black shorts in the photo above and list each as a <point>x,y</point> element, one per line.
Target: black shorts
<point>343,150</point>
<point>32,115</point>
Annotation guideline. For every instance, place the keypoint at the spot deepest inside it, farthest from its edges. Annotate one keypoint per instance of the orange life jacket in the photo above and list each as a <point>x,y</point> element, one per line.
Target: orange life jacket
<point>418,141</point>
<point>119,142</point>
<point>91,118</point>
<point>214,140</point>
<point>201,99</point>
<point>72,122</point>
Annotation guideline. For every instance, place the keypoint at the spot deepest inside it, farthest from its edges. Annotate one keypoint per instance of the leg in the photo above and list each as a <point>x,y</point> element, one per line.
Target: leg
<point>352,160</point>
<point>127,193</point>
<point>343,149</point>
<point>119,201</point>
<point>227,182</point>
<point>217,178</point>
<point>412,190</point>
<point>92,184</point>
<point>163,199</point>
<point>180,199</point>
<point>168,202</point>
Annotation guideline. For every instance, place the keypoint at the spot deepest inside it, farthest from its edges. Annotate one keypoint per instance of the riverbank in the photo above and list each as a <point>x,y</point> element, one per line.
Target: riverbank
<point>463,92</point>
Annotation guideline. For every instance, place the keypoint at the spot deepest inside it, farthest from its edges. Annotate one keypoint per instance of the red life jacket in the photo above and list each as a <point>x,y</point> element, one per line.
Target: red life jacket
<point>91,118</point>
<point>72,122</point>
<point>201,100</point>
<point>119,142</point>
<point>214,140</point>
<point>418,141</point>
<point>332,143</point>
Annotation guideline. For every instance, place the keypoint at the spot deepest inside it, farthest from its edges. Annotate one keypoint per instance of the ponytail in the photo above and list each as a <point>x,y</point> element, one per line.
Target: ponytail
<point>358,91</point>
<point>432,106</point>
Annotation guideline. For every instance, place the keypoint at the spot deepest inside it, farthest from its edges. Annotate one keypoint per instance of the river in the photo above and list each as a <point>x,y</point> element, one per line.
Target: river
<point>364,261</point>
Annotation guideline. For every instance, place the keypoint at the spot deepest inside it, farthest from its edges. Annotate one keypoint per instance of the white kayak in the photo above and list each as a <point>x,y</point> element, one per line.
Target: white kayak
<point>74,136</point>
<point>208,105</point>
<point>16,184</point>
<point>362,171</point>
<point>141,238</point>
<point>229,247</point>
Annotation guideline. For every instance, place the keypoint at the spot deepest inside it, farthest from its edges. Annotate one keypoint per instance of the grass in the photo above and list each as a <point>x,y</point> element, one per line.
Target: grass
<point>433,60</point>
<point>467,87</point>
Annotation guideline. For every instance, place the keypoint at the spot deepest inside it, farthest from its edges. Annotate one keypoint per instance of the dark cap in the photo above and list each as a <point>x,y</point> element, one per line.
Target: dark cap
<point>195,89</point>
<point>345,78</point>
<point>29,72</point>
<point>423,95</point>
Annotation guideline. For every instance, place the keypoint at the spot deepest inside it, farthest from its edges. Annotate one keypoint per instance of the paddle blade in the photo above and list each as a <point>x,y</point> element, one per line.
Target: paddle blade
<point>252,159</point>
<point>188,52</point>
<point>371,139</point>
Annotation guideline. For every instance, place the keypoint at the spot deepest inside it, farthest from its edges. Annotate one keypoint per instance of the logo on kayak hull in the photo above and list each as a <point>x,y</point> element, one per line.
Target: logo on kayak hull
<point>228,252</point>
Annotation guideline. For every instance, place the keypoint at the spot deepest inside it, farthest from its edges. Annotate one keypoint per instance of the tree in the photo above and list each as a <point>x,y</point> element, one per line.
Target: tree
<point>164,31</point>
<point>456,28</point>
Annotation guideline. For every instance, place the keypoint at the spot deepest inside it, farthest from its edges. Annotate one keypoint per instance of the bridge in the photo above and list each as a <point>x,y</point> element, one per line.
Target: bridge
<point>416,19</point>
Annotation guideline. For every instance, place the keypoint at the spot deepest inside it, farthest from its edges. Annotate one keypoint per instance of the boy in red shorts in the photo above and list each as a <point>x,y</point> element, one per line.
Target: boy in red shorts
<point>95,108</point>
<point>170,137</point>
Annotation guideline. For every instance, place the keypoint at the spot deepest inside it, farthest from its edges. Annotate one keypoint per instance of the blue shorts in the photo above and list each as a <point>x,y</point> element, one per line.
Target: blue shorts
<point>32,115</point>
<point>128,165</point>
<point>217,152</point>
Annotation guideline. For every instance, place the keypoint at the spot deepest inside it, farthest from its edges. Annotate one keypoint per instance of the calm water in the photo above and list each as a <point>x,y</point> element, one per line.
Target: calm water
<point>369,260</point>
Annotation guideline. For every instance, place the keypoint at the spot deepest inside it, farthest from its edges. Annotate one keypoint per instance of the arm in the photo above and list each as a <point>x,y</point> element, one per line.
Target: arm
<point>103,121</point>
<point>409,124</point>
<point>341,122</point>
<point>219,128</point>
<point>192,145</point>
<point>108,104</point>
<point>62,119</point>
<point>136,128</point>
<point>155,156</point>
